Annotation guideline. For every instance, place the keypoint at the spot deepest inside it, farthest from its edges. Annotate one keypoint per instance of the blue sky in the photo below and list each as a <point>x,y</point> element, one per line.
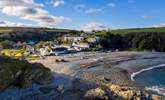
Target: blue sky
<point>83,14</point>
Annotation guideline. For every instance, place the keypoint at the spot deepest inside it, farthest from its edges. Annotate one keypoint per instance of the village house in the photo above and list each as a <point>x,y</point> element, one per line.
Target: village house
<point>30,42</point>
<point>73,38</point>
<point>44,51</point>
<point>29,50</point>
<point>94,40</point>
<point>80,46</point>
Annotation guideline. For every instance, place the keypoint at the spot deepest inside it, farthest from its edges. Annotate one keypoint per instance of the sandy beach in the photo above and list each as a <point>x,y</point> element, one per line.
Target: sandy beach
<point>102,68</point>
<point>86,70</point>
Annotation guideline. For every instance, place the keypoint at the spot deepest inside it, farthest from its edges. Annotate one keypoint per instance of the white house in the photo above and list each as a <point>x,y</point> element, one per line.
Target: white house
<point>44,51</point>
<point>73,38</point>
<point>80,46</point>
<point>94,40</point>
<point>29,50</point>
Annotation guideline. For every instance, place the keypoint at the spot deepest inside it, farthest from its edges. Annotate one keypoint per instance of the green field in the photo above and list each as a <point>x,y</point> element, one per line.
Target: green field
<point>10,29</point>
<point>138,30</point>
<point>5,31</point>
<point>58,30</point>
<point>115,31</point>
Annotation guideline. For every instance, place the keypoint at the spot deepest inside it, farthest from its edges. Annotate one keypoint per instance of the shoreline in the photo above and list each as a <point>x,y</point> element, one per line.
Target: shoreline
<point>133,75</point>
<point>159,89</point>
<point>102,68</point>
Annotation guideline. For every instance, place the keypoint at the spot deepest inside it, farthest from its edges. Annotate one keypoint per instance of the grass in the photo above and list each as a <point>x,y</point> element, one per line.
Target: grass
<point>57,30</point>
<point>5,30</point>
<point>32,58</point>
<point>10,29</point>
<point>18,53</point>
<point>116,31</point>
<point>12,52</point>
<point>139,30</point>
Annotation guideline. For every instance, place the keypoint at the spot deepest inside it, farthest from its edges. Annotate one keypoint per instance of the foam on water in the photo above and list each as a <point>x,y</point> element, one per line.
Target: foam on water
<point>144,70</point>
<point>160,89</point>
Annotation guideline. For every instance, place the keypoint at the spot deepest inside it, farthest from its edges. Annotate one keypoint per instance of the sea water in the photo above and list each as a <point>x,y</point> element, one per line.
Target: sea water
<point>153,78</point>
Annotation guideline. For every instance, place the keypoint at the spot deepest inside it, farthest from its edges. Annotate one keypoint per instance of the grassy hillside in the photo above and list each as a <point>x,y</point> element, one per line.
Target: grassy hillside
<point>138,30</point>
<point>29,33</point>
<point>11,29</point>
<point>5,30</point>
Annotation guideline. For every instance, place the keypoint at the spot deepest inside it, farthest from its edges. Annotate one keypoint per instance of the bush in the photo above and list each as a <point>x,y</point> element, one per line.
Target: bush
<point>133,41</point>
<point>22,74</point>
<point>6,44</point>
<point>148,41</point>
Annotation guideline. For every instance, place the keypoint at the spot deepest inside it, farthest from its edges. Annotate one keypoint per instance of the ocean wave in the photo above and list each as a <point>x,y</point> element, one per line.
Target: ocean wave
<point>158,89</point>
<point>144,70</point>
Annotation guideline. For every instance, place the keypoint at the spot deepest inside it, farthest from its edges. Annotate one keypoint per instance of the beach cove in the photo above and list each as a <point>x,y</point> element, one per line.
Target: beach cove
<point>89,70</point>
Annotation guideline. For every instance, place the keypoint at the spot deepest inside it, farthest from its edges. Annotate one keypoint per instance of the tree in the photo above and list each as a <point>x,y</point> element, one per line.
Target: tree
<point>6,44</point>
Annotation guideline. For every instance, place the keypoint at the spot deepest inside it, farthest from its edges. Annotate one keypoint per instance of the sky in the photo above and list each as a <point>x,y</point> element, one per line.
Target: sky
<point>83,14</point>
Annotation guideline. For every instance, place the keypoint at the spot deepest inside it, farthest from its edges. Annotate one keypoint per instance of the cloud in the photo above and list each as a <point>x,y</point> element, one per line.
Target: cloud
<point>2,23</point>
<point>146,17</point>
<point>58,3</point>
<point>159,25</point>
<point>29,10</point>
<point>93,10</point>
<point>87,10</point>
<point>80,7</point>
<point>94,26</point>
<point>111,5</point>
<point>7,23</point>
<point>20,11</point>
<point>6,3</point>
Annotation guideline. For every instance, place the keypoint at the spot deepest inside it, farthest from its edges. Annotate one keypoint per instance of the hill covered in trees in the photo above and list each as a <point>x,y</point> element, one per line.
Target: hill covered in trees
<point>135,30</point>
<point>147,39</point>
<point>123,39</point>
<point>28,33</point>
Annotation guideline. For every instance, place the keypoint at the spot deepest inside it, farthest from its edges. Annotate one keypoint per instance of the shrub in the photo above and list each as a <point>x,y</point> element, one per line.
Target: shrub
<point>133,41</point>
<point>21,73</point>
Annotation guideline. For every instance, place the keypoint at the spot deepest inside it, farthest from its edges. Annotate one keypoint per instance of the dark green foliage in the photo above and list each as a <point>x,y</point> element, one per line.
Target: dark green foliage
<point>111,41</point>
<point>37,34</point>
<point>22,73</point>
<point>148,41</point>
<point>138,30</point>
<point>6,44</point>
<point>134,41</point>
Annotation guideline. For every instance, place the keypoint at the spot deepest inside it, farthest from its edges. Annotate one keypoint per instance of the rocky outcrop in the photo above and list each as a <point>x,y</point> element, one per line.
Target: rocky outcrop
<point>116,92</point>
<point>128,93</point>
<point>156,97</point>
<point>22,73</point>
<point>96,94</point>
